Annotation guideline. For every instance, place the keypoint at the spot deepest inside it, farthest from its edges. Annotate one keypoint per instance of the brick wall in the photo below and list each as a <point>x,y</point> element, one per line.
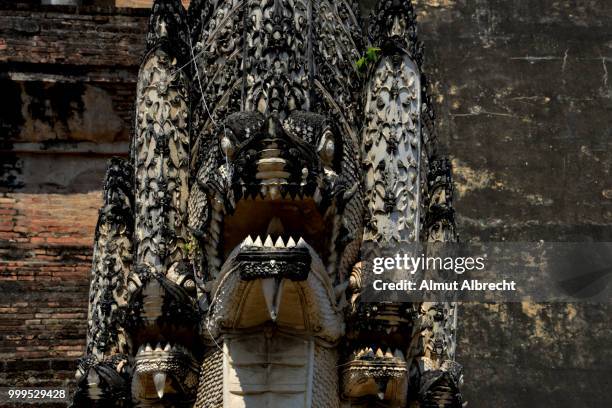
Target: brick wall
<point>67,78</point>
<point>45,242</point>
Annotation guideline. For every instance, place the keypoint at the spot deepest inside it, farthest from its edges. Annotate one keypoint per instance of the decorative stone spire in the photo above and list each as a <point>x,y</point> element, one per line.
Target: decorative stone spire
<point>161,146</point>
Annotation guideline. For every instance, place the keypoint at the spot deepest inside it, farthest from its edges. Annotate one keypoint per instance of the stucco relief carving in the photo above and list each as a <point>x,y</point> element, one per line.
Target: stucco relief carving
<point>263,158</point>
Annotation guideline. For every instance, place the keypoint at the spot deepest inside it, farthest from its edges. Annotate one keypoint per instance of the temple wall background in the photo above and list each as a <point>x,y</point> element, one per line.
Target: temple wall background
<point>524,103</point>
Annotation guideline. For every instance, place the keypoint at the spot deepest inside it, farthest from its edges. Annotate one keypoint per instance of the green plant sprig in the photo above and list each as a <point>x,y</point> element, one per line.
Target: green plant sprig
<point>370,57</point>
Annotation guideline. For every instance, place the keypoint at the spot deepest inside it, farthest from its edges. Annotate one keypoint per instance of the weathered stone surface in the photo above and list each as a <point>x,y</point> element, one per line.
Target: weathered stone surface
<point>524,105</point>
<point>524,110</point>
<point>141,3</point>
<point>68,80</point>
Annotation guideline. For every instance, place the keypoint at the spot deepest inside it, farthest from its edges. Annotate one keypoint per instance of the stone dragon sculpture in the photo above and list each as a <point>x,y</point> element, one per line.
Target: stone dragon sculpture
<point>226,268</point>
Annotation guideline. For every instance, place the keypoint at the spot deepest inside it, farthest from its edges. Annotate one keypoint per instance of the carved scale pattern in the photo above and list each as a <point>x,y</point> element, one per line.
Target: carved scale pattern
<point>434,339</point>
<point>337,85</point>
<point>325,378</point>
<point>210,390</point>
<point>218,69</point>
<point>107,363</point>
<point>391,151</point>
<point>112,261</point>
<point>161,162</point>
<point>276,61</point>
<point>401,205</point>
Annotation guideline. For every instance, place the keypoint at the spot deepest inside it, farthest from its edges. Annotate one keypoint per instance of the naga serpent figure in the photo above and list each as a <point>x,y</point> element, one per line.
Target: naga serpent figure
<point>272,140</point>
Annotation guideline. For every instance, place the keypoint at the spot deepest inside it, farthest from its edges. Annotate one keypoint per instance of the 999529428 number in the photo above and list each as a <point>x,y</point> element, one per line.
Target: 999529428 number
<point>32,394</point>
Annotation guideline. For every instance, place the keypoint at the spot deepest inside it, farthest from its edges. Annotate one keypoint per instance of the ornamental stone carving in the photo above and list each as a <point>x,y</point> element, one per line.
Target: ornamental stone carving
<point>226,266</point>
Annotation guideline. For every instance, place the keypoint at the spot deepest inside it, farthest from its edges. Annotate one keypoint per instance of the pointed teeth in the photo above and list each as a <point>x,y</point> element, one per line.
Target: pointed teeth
<point>272,291</point>
<point>140,349</point>
<point>159,379</point>
<point>158,347</point>
<point>168,347</point>
<point>399,355</point>
<point>379,353</point>
<point>93,379</point>
<point>388,353</point>
<point>317,196</point>
<point>269,242</point>
<point>273,192</point>
<point>148,347</point>
<point>279,243</point>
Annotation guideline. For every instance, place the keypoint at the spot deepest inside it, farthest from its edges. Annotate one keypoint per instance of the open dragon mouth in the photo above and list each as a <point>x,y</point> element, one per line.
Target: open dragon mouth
<point>283,283</point>
<point>271,246</point>
<point>278,223</point>
<point>278,181</point>
<point>273,262</point>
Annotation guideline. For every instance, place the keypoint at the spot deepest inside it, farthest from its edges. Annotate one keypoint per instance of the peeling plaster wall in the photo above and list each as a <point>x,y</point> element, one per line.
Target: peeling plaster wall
<point>524,105</point>
<point>525,111</point>
<point>67,76</point>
